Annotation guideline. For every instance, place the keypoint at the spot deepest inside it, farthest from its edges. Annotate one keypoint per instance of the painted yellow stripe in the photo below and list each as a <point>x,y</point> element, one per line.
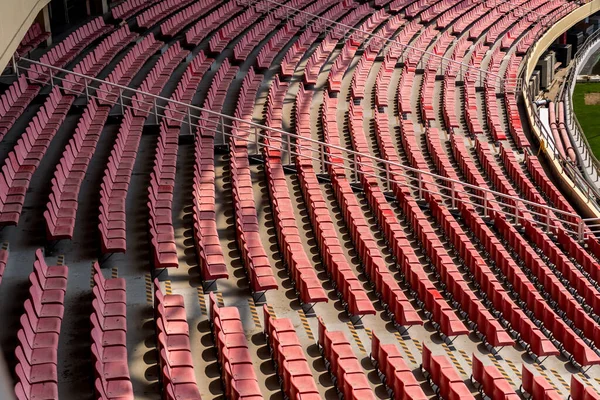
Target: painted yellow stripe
<point>404,346</point>
<point>114,272</point>
<point>168,289</point>
<point>514,369</point>
<point>60,260</point>
<point>584,379</point>
<point>501,369</point>
<point>369,333</point>
<point>466,358</point>
<point>220,299</point>
<point>201,300</point>
<point>149,293</point>
<point>356,337</point>
<point>5,246</point>
<point>561,380</point>
<point>306,325</point>
<point>271,311</point>
<point>254,313</point>
<point>452,357</point>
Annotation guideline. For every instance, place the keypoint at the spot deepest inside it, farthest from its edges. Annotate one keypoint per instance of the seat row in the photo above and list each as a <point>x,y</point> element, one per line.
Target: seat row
<point>27,154</point>
<point>32,39</point>
<point>37,351</point>
<point>537,386</point>
<point>235,361</point>
<point>579,391</point>
<point>61,209</point>
<point>156,80</point>
<point>255,259</point>
<point>109,338</point>
<point>152,15</point>
<point>160,199</point>
<point>394,372</point>
<point>126,70</point>
<point>201,29</point>
<point>115,184</point>
<point>118,172</point>
<point>96,60</point>
<point>301,270</point>
<point>353,295</point>
<point>175,24</point>
<point>388,289</point>
<point>440,372</point>
<point>295,375</point>
<point>212,261</point>
<point>491,381</point>
<point>128,8</point>
<point>173,344</point>
<point>65,51</point>
<point>14,101</point>
<point>347,374</point>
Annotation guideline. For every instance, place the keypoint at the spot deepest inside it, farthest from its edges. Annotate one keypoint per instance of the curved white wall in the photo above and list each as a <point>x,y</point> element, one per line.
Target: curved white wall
<point>16,16</point>
<point>539,48</point>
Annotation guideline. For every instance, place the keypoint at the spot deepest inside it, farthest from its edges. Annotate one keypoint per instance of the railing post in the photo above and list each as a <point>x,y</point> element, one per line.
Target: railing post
<point>580,230</point>
<point>155,112</point>
<point>15,66</point>
<point>547,220</point>
<point>387,176</point>
<point>121,101</point>
<point>87,90</point>
<point>256,141</point>
<point>289,148</point>
<point>222,131</point>
<point>355,167</point>
<point>189,115</point>
<point>322,155</point>
<point>485,204</point>
<point>420,191</point>
<point>453,194</point>
<point>51,77</point>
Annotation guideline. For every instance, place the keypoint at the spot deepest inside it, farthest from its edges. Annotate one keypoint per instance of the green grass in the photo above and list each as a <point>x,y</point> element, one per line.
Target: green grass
<point>588,115</point>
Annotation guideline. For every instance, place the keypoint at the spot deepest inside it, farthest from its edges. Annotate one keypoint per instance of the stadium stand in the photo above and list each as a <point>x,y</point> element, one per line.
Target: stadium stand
<point>362,172</point>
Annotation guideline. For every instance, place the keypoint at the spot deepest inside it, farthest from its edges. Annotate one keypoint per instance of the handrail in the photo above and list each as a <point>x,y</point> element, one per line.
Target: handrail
<point>365,36</point>
<point>299,146</point>
<point>565,95</point>
<point>565,165</point>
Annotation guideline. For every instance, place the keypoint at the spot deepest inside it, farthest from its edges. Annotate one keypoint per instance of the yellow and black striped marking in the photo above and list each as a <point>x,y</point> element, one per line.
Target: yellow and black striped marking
<point>404,346</point>
<point>220,299</point>
<point>254,313</point>
<point>466,357</point>
<point>542,371</point>
<point>114,272</point>
<point>306,325</point>
<point>418,345</point>
<point>5,246</point>
<point>92,272</point>
<point>561,379</point>
<point>501,369</point>
<point>60,260</point>
<point>356,337</point>
<point>168,289</point>
<point>201,300</point>
<point>597,380</point>
<point>452,357</point>
<point>584,379</point>
<point>514,368</point>
<point>271,311</point>
<point>148,279</point>
<point>369,333</point>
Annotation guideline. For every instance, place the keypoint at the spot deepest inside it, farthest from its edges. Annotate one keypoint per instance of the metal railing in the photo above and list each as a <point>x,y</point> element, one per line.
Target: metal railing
<point>567,167</point>
<point>582,147</point>
<point>292,145</point>
<point>351,32</point>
